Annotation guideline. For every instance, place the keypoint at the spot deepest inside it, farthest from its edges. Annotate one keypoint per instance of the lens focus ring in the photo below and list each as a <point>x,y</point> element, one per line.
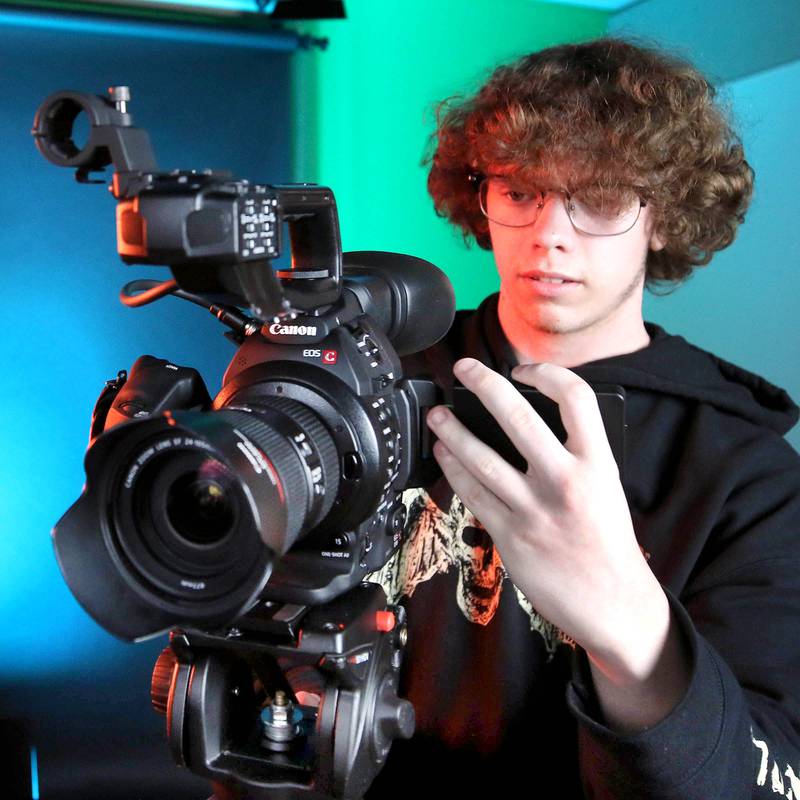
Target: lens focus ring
<point>301,452</point>
<point>317,435</point>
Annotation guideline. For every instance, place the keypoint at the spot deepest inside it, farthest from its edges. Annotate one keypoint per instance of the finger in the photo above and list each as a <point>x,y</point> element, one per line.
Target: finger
<point>527,430</point>
<point>577,404</point>
<point>481,501</point>
<point>482,462</point>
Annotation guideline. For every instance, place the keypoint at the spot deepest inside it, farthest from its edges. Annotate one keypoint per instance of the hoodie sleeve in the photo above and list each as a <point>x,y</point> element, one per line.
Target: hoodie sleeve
<point>735,735</point>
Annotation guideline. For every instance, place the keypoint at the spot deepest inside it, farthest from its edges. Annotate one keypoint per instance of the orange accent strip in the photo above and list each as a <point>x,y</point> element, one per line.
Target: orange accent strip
<point>131,230</point>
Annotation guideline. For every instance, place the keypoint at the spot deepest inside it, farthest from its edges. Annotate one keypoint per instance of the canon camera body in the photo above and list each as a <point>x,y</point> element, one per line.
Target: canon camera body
<point>247,523</point>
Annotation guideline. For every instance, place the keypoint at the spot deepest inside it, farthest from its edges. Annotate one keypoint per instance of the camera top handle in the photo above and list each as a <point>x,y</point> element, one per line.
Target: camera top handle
<point>216,234</point>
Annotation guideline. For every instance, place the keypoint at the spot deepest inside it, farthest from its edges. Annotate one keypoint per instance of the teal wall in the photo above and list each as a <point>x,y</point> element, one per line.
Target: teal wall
<point>365,107</point>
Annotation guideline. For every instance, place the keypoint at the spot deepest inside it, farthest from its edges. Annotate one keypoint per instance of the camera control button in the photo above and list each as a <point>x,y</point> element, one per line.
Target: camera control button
<point>385,621</point>
<point>397,521</point>
<point>380,382</point>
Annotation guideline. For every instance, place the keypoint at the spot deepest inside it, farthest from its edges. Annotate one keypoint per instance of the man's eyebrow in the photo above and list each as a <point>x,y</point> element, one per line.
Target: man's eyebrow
<point>538,177</point>
<point>516,177</point>
<point>526,181</point>
<point>495,174</point>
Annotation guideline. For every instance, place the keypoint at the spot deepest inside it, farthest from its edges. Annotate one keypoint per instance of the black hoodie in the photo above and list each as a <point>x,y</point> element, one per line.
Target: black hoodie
<point>504,701</point>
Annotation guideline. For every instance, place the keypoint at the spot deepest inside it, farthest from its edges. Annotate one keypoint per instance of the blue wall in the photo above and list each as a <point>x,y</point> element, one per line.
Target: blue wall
<point>65,333</point>
<point>743,306</point>
<point>728,39</point>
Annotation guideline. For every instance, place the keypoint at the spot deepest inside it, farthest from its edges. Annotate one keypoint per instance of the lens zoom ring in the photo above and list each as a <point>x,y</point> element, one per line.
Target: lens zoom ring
<point>320,438</point>
<point>287,464</point>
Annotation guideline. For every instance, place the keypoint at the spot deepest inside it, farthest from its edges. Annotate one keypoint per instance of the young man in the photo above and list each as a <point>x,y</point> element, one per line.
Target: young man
<point>575,632</point>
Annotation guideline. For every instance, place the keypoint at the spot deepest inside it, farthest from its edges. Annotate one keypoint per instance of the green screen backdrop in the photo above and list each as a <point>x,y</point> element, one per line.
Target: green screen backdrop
<point>365,107</point>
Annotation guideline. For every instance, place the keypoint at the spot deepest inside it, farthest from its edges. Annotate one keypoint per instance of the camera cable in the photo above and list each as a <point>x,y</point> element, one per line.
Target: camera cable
<point>142,292</point>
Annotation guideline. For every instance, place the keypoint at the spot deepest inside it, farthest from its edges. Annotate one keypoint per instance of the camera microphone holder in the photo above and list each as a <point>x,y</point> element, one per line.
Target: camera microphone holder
<point>302,704</point>
<point>112,136</point>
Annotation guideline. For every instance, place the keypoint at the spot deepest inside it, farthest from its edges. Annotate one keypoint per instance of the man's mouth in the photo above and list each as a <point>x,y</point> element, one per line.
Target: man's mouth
<point>550,285</point>
<point>549,277</point>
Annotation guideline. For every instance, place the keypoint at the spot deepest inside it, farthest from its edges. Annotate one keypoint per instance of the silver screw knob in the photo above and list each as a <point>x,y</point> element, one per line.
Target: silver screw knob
<point>121,95</point>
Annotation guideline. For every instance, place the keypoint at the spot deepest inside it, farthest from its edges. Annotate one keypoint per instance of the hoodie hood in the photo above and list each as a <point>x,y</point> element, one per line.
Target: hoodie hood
<point>669,365</point>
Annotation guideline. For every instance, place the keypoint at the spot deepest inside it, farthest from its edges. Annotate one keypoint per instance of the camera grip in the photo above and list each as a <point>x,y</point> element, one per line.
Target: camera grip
<point>153,387</point>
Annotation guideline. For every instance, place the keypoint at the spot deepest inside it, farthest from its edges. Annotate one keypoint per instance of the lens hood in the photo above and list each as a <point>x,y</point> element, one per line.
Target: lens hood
<point>127,562</point>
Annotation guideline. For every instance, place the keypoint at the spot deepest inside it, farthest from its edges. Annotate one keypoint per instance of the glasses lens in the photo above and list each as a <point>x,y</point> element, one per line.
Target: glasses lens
<point>506,204</point>
<point>602,213</point>
<point>593,210</point>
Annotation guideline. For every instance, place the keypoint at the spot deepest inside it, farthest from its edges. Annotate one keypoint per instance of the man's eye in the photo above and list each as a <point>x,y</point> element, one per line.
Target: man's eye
<point>521,197</point>
<point>604,203</point>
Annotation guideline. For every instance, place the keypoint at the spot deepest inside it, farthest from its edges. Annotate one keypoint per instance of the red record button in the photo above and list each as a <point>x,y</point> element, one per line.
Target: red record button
<point>385,621</point>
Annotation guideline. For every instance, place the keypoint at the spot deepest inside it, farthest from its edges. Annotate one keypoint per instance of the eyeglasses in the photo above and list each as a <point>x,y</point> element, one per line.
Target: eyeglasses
<point>592,210</point>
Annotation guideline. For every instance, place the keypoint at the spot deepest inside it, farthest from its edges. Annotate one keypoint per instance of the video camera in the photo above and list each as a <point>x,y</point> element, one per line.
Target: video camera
<point>247,523</point>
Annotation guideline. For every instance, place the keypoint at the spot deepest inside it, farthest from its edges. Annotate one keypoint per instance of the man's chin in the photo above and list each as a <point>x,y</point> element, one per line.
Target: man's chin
<point>550,325</point>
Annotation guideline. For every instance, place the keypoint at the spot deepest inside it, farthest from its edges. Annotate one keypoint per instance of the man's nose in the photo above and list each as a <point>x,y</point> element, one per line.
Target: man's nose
<point>553,228</point>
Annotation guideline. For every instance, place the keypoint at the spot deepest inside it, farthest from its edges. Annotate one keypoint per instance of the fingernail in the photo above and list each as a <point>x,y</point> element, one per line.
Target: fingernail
<point>523,367</point>
<point>440,451</point>
<point>437,415</point>
<point>465,365</point>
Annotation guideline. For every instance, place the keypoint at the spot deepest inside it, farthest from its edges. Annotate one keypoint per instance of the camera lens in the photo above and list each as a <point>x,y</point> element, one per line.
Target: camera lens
<point>210,493</point>
<point>193,509</point>
<point>184,525</point>
<point>200,506</point>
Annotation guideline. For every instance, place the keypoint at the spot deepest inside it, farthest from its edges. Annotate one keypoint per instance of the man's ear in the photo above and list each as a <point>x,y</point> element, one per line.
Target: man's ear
<point>656,242</point>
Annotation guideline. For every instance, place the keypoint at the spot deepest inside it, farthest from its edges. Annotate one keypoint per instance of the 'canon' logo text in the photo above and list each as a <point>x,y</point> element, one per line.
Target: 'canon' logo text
<point>294,330</point>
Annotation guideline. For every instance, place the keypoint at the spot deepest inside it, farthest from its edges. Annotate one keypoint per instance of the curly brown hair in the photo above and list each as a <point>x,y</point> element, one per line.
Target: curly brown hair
<point>607,113</point>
